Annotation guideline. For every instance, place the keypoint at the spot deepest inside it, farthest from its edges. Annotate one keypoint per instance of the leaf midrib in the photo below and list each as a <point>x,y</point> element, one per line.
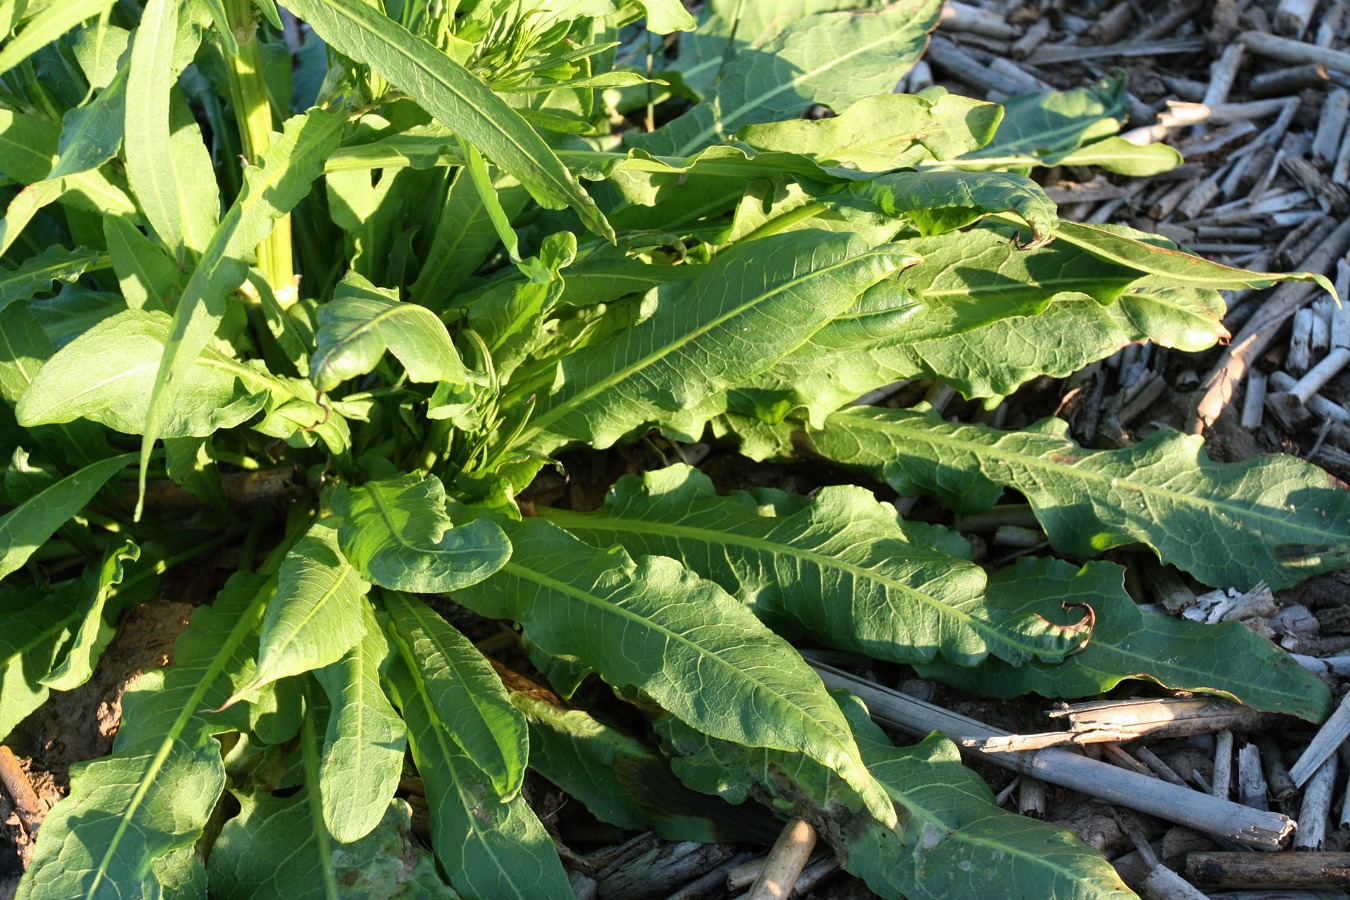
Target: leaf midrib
<point>1034,463</point>
<point>658,354</point>
<point>823,561</point>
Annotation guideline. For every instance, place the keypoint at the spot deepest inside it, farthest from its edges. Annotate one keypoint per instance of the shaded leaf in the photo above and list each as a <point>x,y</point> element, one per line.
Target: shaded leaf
<point>1128,642</point>
<point>652,627</point>
<point>28,525</point>
<point>46,25</point>
<point>95,632</point>
<point>1276,519</point>
<point>37,273</point>
<point>35,624</point>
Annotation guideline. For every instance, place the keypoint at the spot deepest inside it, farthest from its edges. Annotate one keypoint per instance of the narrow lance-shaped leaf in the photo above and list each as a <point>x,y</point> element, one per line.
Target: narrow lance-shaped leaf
<point>271,189</point>
<point>453,94</point>
<point>94,633</point>
<point>362,321</point>
<point>1278,520</point>
<point>938,202</point>
<point>837,568</point>
<point>488,847</point>
<point>1129,642</point>
<point>27,526</point>
<point>157,790</point>
<point>315,615</point>
<point>653,627</point>
<point>37,273</point>
<point>165,172</point>
<point>465,692</point>
<point>365,740</point>
<point>90,135</point>
<point>751,306</point>
<point>54,20</point>
<point>397,533</point>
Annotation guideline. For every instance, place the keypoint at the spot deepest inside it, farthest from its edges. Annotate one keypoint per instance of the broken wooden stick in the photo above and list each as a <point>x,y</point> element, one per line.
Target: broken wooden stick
<point>1224,818</point>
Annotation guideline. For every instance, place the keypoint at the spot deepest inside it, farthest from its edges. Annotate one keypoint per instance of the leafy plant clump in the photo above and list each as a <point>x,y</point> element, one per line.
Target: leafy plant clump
<point>497,267</point>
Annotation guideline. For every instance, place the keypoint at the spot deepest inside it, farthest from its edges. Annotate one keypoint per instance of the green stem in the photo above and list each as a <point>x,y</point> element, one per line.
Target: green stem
<point>253,112</point>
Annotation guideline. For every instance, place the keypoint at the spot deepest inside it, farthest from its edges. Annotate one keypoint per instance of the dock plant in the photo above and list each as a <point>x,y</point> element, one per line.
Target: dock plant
<point>311,297</point>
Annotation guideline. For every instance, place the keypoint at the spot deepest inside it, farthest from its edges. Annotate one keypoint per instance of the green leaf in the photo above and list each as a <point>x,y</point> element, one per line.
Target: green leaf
<point>954,841</point>
<point>95,632</point>
<point>27,526</point>
<point>90,135</point>
<point>167,164</point>
<point>35,625</point>
<point>746,310</point>
<point>315,616</point>
<point>465,692</point>
<point>37,273</point>
<point>148,277</point>
<point>838,569</point>
<point>884,131</point>
<point>156,791</point>
<point>48,24</point>
<point>488,847</point>
<point>1115,154</point>
<point>833,59</point>
<point>937,202</point>
<point>652,627</point>
<point>1278,520</point>
<point>364,745</point>
<point>623,781</point>
<point>1043,129</point>
<point>271,189</point>
<point>272,849</point>
<point>1175,268</point>
<point>398,535</point>
<point>362,321</point>
<point>455,96</point>
<point>666,16</point>
<point>107,375</point>
<point>1129,642</point>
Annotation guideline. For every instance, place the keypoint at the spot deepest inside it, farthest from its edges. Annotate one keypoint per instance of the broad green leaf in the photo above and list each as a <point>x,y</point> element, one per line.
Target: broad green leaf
<point>148,277</point>
<point>747,309</point>
<point>938,202</point>
<point>156,791</point>
<point>191,464</point>
<point>833,59</point>
<point>398,535</point>
<point>458,98</point>
<point>90,135</point>
<point>839,569</point>
<point>271,849</point>
<point>107,375</point>
<point>364,745</point>
<point>1115,154</point>
<point>885,131</point>
<point>652,627</point>
<point>488,847</point>
<point>623,781</point>
<point>27,526</point>
<point>1128,642</point>
<point>35,625</point>
<point>362,321</point>
<point>46,26</point>
<point>95,632</point>
<point>1277,519</point>
<point>37,273</point>
<point>665,16</point>
<point>465,692</point>
<point>271,189</point>
<point>315,615</point>
<point>954,841</point>
<point>166,162</point>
